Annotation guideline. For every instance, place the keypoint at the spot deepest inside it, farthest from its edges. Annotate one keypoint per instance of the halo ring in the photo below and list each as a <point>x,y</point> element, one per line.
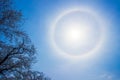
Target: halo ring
<point>98,45</point>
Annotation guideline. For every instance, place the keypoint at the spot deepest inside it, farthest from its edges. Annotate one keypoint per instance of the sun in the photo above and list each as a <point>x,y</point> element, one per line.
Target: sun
<point>77,33</point>
<point>74,34</point>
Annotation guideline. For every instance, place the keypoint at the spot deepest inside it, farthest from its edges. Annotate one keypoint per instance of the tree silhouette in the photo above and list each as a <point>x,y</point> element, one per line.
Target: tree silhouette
<point>16,49</point>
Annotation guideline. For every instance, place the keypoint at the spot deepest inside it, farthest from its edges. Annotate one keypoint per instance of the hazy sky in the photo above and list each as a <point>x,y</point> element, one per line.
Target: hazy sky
<point>104,65</point>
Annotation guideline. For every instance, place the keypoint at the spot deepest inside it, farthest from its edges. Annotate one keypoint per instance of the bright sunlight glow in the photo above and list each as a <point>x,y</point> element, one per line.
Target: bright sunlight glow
<point>74,34</point>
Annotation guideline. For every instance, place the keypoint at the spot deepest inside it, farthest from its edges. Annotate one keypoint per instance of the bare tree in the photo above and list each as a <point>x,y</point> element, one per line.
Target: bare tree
<point>16,49</point>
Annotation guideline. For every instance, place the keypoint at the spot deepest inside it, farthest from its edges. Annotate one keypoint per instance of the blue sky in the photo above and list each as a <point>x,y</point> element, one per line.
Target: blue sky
<point>40,14</point>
